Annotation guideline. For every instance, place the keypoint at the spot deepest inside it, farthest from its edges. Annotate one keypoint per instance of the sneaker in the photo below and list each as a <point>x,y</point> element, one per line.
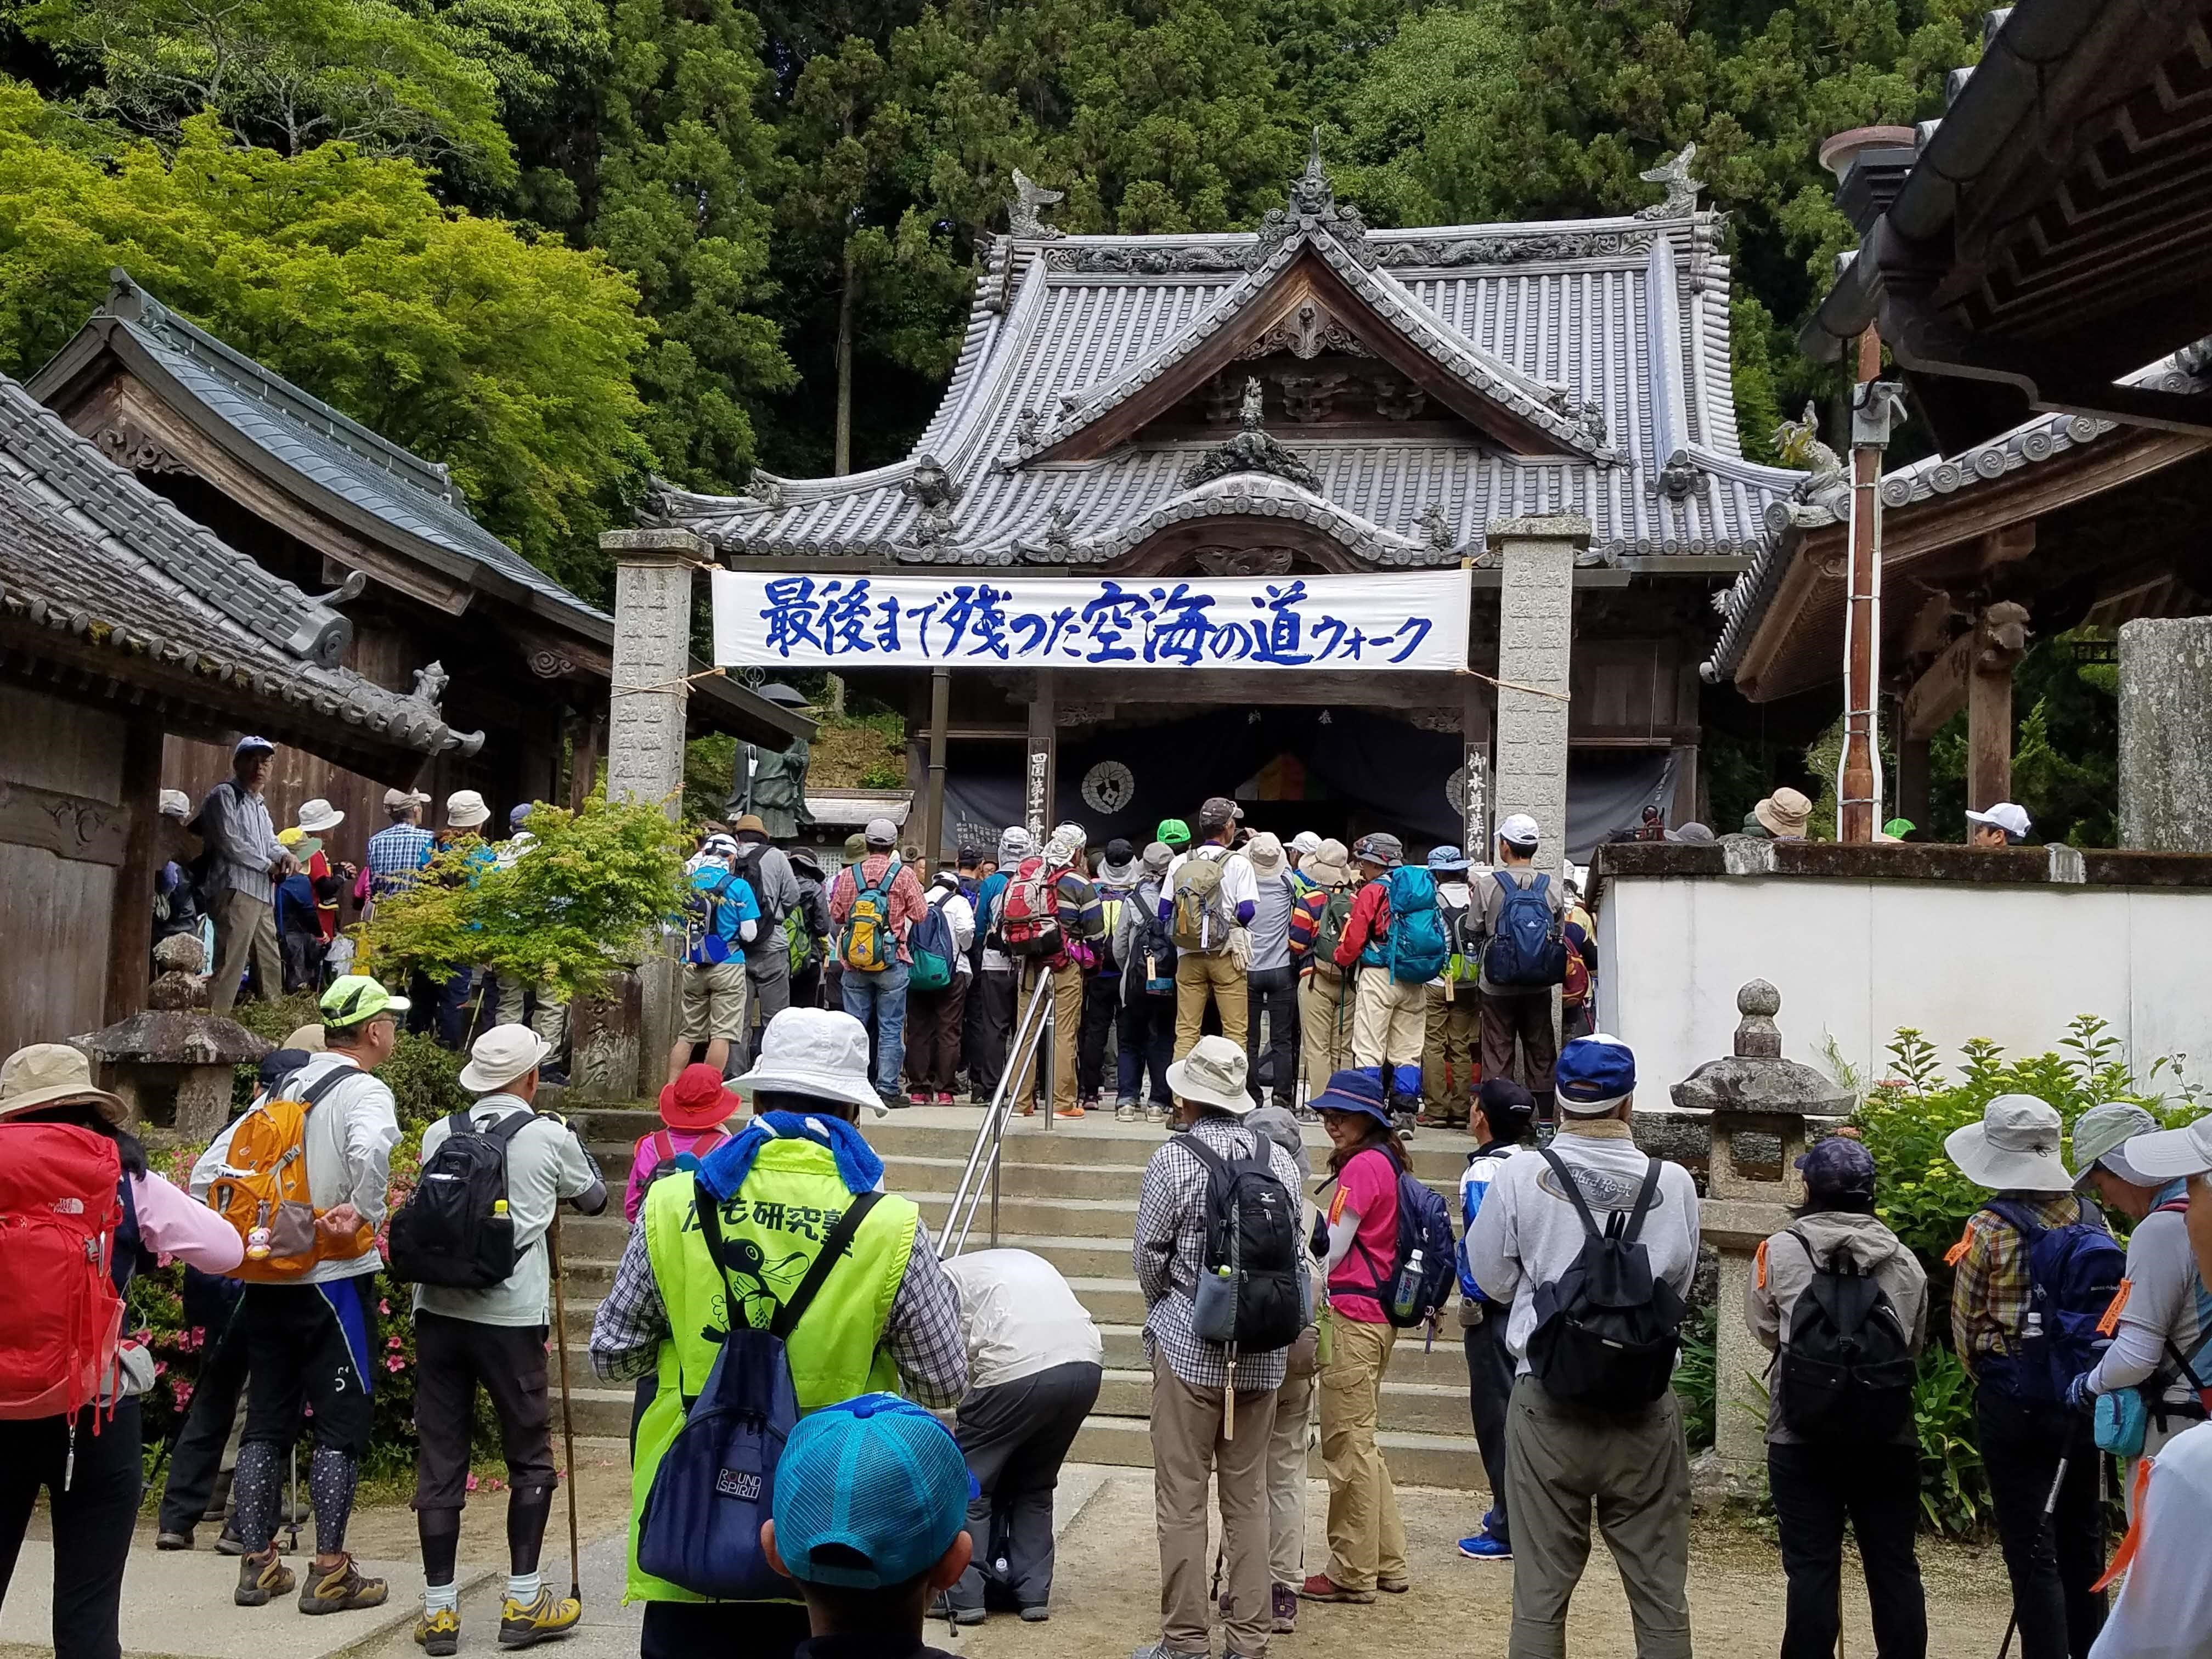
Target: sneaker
<point>1069,1113</point>
<point>261,1581</point>
<point>340,1589</point>
<point>1305,1114</point>
<point>942,1608</point>
<point>1282,1605</point>
<point>173,1540</point>
<point>917,1097</point>
<point>946,1098</point>
<point>1484,1547</point>
<point>1036,1613</point>
<point>1394,1586</point>
<point>1126,1112</point>
<point>439,1634</point>
<point>545,1616</point>
<point>1322,1588</point>
<point>892,1098</point>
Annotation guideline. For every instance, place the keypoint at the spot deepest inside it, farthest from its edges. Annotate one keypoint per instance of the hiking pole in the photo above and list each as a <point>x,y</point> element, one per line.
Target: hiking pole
<point>568,1417</point>
<point>292,1504</point>
<point>2049,1507</point>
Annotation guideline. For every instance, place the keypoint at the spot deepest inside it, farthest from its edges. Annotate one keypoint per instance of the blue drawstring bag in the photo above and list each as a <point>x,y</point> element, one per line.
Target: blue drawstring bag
<point>2122,1419</point>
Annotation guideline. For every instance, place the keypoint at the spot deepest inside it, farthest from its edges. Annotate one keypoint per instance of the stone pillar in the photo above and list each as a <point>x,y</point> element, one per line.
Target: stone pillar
<point>1535,644</point>
<point>2165,735</point>
<point>646,724</point>
<point>1759,1101</point>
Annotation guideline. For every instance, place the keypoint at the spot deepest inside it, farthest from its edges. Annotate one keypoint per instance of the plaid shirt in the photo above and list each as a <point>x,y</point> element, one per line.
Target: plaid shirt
<point>1988,1296</point>
<point>922,1334</point>
<point>235,827</point>
<point>905,902</point>
<point>396,856</point>
<point>1170,1248</point>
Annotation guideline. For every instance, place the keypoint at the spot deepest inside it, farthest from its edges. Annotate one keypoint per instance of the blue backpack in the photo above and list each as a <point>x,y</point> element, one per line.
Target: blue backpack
<point>1423,1224</point>
<point>2074,1272</point>
<point>931,947</point>
<point>1530,946</point>
<point>1418,949</point>
<point>701,1527</point>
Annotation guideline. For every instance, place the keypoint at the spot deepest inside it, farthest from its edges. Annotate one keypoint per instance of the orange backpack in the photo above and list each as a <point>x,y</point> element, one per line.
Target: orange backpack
<point>261,1188</point>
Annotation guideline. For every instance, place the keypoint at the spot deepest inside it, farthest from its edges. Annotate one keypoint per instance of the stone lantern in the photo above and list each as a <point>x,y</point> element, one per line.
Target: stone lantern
<point>173,1064</point>
<point>1759,1104</point>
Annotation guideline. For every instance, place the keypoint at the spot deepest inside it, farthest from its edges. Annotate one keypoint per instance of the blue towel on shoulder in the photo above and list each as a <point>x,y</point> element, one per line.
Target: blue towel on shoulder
<point>725,1169</point>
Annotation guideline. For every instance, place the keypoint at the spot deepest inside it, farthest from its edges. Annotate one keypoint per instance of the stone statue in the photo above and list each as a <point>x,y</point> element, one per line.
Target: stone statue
<point>1022,218</point>
<point>430,683</point>
<point>1252,413</point>
<point>1673,174</point>
<point>771,784</point>
<point>1798,444</point>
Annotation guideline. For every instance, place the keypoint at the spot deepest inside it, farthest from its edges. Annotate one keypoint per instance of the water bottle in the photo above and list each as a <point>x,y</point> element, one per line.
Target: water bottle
<point>1408,1295</point>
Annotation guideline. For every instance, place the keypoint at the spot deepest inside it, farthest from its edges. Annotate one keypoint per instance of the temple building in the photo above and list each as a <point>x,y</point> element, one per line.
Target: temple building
<point>1315,398</point>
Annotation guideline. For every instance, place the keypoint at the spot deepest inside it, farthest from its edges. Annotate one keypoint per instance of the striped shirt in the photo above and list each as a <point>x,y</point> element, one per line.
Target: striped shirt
<point>235,826</point>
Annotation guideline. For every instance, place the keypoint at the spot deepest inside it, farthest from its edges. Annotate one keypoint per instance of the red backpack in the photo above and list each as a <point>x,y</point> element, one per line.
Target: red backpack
<point>1029,915</point>
<point>61,1315</point>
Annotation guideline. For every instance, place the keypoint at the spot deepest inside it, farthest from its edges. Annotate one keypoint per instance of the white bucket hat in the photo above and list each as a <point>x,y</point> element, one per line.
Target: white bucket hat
<point>2170,1152</point>
<point>1213,1075</point>
<point>813,1051</point>
<point>465,809</point>
<point>500,1055</point>
<point>2014,1148</point>
<point>318,815</point>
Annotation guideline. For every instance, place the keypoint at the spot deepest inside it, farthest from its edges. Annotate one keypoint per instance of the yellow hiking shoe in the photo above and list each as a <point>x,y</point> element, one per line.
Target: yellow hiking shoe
<point>439,1634</point>
<point>341,1588</point>
<point>539,1619</point>
<point>260,1577</point>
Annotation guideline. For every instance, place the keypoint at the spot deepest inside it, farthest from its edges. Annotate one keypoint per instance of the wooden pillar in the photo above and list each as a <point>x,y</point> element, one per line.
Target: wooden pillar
<point>1999,641</point>
<point>1685,809</point>
<point>1912,780</point>
<point>940,713</point>
<point>130,913</point>
<point>1039,779</point>
<point>591,731</point>
<point>1474,757</point>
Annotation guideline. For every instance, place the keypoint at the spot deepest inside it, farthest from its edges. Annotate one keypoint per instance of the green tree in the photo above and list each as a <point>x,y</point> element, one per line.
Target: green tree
<point>479,344</point>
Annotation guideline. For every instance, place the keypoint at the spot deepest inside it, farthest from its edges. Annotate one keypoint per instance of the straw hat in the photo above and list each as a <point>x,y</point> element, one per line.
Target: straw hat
<point>51,1074</point>
<point>1784,813</point>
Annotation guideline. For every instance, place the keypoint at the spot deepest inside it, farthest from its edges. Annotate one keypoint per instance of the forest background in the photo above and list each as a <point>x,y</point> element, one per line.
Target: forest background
<point>566,245</point>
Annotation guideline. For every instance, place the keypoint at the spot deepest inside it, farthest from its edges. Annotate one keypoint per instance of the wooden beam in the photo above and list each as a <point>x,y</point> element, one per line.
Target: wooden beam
<point>1913,781</point>
<point>1939,693</point>
<point>1043,745</point>
<point>131,913</point>
<point>940,709</point>
<point>1999,642</point>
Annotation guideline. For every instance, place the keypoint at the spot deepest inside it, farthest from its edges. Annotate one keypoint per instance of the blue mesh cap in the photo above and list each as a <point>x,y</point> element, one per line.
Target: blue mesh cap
<point>877,1476</point>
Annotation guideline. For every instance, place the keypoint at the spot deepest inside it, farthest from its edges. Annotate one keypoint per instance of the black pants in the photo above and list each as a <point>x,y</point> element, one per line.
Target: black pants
<point>994,995</point>
<point>1521,1019</point>
<point>92,1518</point>
<point>1016,1436</point>
<point>309,1345</point>
<point>452,1356</point>
<point>806,985</point>
<point>1275,990</point>
<point>1102,1000</point>
<point>2051,1563</point>
<point>196,1458</point>
<point>1489,1391</point>
<point>934,1021</point>
<point>1147,1045</point>
<point>722,1630</point>
<point>1817,1487</point>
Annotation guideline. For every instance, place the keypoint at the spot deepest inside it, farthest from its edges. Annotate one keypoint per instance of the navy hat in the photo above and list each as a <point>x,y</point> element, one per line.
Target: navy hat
<point>1354,1091</point>
<point>519,815</point>
<point>1447,858</point>
<point>1595,1074</point>
<point>280,1063</point>
<point>1838,1164</point>
<point>876,1482</point>
<point>1506,1103</point>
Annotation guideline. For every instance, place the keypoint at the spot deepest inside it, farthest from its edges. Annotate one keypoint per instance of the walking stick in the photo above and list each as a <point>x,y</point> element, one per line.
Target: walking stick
<point>2049,1507</point>
<point>568,1419</point>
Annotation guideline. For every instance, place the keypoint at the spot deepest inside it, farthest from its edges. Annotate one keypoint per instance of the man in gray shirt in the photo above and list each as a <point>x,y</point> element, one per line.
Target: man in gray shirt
<point>768,958</point>
<point>245,864</point>
<point>1271,983</point>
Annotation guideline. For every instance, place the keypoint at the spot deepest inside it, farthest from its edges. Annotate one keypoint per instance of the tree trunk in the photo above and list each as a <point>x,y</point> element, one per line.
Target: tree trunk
<point>843,462</point>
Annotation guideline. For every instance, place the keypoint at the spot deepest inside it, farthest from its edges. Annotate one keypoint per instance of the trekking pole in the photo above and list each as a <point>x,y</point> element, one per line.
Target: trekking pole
<point>2049,1507</point>
<point>568,1419</point>
<point>292,1502</point>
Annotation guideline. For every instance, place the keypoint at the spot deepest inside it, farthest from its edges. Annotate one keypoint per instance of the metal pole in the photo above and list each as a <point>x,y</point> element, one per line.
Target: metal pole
<point>940,707</point>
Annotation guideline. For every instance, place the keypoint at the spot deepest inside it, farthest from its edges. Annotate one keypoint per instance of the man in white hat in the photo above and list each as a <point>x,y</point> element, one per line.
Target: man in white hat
<point>1516,1018</point>
<point>1995,828</point>
<point>496,1337</point>
<point>467,814</point>
<point>397,852</point>
<point>800,1180</point>
<point>245,862</point>
<point>2023,1432</point>
<point>992,995</point>
<point>1195,1434</point>
<point>330,877</point>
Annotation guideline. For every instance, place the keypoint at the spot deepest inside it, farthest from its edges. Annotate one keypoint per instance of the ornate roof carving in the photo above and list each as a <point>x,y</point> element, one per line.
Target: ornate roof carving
<point>1313,207</point>
<point>1022,212</point>
<point>1252,450</point>
<point>1673,174</point>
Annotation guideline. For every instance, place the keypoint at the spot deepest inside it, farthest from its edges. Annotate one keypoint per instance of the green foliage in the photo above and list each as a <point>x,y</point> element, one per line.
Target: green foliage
<point>2066,746</point>
<point>709,768</point>
<point>472,341</point>
<point>586,897</point>
<point>1697,1376</point>
<point>1954,1493</point>
<point>425,1080</point>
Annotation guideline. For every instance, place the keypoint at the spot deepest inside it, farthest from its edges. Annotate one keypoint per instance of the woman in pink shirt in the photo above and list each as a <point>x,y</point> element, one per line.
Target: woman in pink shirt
<point>1366,1540</point>
<point>693,1111</point>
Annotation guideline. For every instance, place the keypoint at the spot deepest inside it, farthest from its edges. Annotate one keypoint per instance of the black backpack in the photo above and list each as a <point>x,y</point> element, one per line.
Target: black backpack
<point>1251,1285</point>
<point>1846,1366</point>
<point>454,1230</point>
<point>1607,1331</point>
<point>750,858</point>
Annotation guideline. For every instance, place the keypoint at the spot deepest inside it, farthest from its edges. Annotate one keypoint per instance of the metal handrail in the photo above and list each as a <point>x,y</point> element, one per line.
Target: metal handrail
<point>990,1134</point>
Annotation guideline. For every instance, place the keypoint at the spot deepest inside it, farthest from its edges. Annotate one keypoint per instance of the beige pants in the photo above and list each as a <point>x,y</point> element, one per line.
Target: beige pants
<point>1451,1053</point>
<point>1215,975</point>
<point>549,1022</point>
<point>245,931</point>
<point>1366,1538</point>
<point>1187,1444</point>
<point>1067,1027</point>
<point>1286,1465</point>
<point>1324,1026</point>
<point>1389,1020</point>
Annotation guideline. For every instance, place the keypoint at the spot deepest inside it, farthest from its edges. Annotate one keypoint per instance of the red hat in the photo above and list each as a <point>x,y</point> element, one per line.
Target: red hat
<point>697,1100</point>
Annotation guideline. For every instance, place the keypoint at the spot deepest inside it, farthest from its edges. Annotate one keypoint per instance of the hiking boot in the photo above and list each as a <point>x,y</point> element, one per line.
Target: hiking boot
<point>1394,1586</point>
<point>1126,1112</point>
<point>542,1618</point>
<point>1322,1588</point>
<point>439,1634</point>
<point>1283,1605</point>
<point>942,1609</point>
<point>892,1098</point>
<point>173,1540</point>
<point>259,1581</point>
<point>340,1589</point>
<point>1485,1547</point>
<point>229,1543</point>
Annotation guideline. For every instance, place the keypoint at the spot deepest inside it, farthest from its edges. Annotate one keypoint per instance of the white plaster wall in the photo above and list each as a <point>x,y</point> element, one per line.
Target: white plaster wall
<point>1854,960</point>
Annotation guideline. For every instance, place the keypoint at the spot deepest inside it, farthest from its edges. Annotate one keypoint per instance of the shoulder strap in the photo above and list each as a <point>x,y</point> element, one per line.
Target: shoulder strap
<point>1575,1192</point>
<point>1644,1198</point>
<point>840,1240</point>
<point>330,1080</point>
<point>459,1123</point>
<point>1207,1155</point>
<point>511,1126</point>
<point>664,1146</point>
<point>1805,1244</point>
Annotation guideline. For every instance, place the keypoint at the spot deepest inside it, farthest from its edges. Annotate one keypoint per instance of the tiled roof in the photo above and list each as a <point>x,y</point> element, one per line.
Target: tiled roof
<point>1607,336</point>
<point>88,552</point>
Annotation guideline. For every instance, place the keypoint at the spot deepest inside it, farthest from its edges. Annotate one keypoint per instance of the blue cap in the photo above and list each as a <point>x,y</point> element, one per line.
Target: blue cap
<point>1354,1091</point>
<point>1838,1164</point>
<point>880,1483</point>
<point>1447,858</point>
<point>519,814</point>
<point>1595,1074</point>
<point>251,744</point>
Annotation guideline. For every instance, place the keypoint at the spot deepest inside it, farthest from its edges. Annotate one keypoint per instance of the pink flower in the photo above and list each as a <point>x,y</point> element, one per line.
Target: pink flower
<point>394,1362</point>
<point>472,1483</point>
<point>392,1343</point>
<point>383,1304</point>
<point>161,1367</point>
<point>181,1392</point>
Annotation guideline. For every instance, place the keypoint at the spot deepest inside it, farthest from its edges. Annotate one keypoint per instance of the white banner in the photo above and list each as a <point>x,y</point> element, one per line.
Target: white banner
<point>1417,621</point>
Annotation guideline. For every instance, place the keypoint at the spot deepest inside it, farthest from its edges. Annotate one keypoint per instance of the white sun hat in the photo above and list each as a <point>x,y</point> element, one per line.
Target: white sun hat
<point>2014,1148</point>
<point>813,1051</point>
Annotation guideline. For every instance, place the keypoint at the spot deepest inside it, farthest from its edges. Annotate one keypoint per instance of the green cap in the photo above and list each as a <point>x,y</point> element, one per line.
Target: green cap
<point>1899,827</point>
<point>1174,832</point>
<point>355,999</point>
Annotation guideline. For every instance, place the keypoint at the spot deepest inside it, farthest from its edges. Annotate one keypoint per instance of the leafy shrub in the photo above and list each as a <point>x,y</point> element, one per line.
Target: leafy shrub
<point>1697,1376</point>
<point>425,1080</point>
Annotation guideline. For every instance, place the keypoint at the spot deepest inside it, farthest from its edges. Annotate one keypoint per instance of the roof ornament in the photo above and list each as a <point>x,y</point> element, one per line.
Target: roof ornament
<point>1252,450</point>
<point>1022,218</point>
<point>765,487</point>
<point>430,683</point>
<point>1436,529</point>
<point>1313,207</point>
<point>1797,443</point>
<point>355,584</point>
<point>1682,190</point>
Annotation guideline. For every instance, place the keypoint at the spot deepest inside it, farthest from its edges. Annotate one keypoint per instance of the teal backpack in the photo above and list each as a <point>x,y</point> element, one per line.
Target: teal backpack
<point>1419,948</point>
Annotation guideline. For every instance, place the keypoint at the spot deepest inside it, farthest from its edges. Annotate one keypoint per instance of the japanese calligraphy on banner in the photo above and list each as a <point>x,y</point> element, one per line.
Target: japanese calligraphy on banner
<point>1417,621</point>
